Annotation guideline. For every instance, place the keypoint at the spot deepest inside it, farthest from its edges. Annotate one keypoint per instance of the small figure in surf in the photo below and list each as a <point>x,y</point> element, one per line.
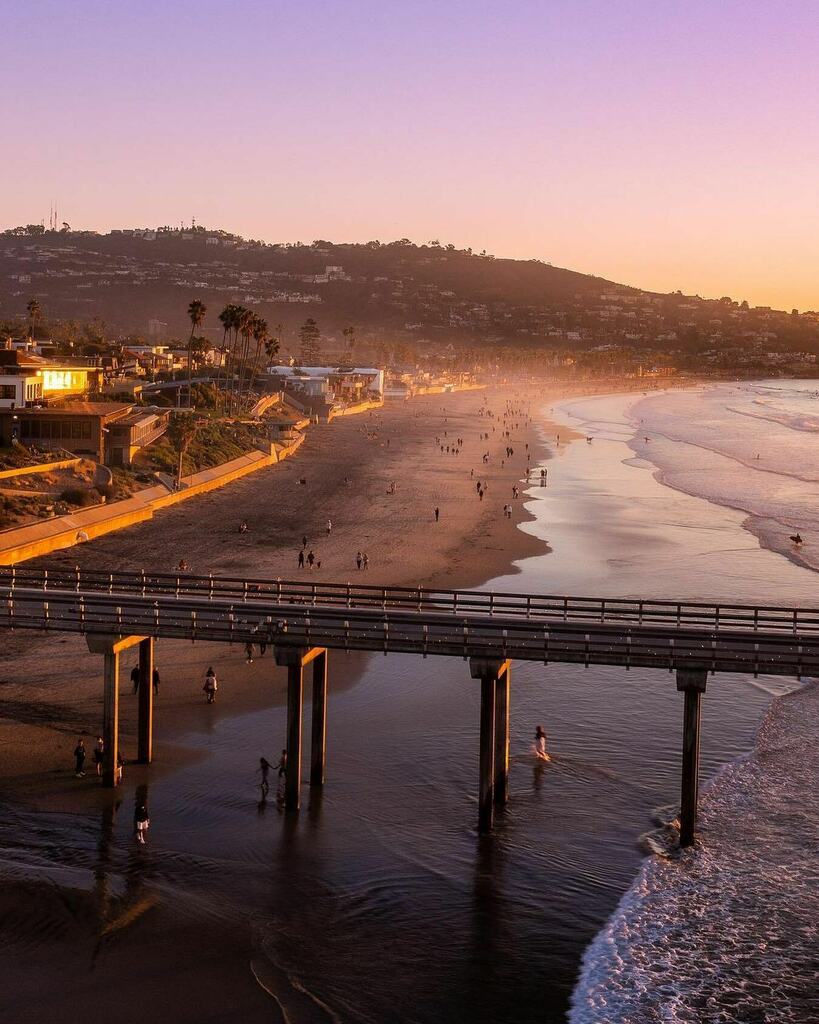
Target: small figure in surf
<point>264,768</point>
<point>540,744</point>
<point>796,538</point>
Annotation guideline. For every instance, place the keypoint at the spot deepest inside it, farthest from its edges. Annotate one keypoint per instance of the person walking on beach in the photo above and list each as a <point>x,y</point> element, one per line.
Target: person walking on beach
<point>120,766</point>
<point>358,561</point>
<point>540,744</point>
<point>249,652</point>
<point>437,513</point>
<point>211,686</point>
<point>365,560</point>
<point>79,759</point>
<point>310,558</point>
<point>329,527</point>
<point>301,559</point>
<point>99,753</point>
<point>264,768</point>
<point>304,541</point>
<point>141,822</point>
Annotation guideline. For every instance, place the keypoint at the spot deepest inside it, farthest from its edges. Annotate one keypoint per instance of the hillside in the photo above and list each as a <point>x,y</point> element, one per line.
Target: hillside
<point>397,292</point>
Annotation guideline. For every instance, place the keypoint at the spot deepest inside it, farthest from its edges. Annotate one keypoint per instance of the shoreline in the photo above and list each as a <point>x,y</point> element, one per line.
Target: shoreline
<point>46,714</point>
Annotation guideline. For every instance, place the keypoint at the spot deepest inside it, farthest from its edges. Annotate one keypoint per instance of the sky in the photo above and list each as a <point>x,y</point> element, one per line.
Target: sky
<point>661,144</point>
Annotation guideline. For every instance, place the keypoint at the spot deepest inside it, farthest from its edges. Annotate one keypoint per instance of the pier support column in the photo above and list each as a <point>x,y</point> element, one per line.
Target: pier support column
<point>692,683</point>
<point>488,670</point>
<point>110,718</point>
<point>145,727</point>
<point>295,658</point>
<point>502,693</point>
<point>110,647</point>
<point>319,719</point>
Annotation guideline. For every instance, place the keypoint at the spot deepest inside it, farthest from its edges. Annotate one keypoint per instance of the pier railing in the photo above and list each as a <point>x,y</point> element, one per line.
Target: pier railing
<point>513,606</point>
<point>468,624</point>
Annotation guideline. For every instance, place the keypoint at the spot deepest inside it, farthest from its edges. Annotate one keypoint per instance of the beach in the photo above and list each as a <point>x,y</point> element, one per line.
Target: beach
<point>349,467</point>
<point>329,916</point>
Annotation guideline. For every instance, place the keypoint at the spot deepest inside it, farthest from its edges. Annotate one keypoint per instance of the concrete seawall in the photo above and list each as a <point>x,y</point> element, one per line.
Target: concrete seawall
<point>49,535</point>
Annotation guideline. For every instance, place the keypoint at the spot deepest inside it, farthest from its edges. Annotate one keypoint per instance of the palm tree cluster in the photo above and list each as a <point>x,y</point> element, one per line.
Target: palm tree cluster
<point>246,336</point>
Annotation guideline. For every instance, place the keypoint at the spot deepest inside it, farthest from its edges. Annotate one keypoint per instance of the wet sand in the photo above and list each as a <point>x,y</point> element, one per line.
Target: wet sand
<point>51,687</point>
<point>198,965</point>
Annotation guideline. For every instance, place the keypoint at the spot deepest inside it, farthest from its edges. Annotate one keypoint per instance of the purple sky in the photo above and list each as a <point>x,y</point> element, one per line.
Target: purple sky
<point>668,145</point>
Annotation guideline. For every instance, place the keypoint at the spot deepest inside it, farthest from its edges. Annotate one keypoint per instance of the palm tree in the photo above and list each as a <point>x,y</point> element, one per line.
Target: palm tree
<point>196,312</point>
<point>260,334</point>
<point>225,320</point>
<point>181,431</point>
<point>229,318</point>
<point>34,311</point>
<point>243,325</point>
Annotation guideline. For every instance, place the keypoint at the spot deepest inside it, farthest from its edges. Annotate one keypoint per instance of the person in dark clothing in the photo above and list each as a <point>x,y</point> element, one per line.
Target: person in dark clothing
<point>135,677</point>
<point>437,513</point>
<point>141,823</point>
<point>301,559</point>
<point>79,759</point>
<point>264,768</point>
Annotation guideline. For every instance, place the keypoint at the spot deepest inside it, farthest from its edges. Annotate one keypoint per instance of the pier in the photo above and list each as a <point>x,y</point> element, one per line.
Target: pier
<point>303,622</point>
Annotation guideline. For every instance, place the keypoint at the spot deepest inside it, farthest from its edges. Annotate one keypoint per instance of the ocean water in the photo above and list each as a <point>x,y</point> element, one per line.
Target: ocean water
<point>728,932</point>
<point>379,902</point>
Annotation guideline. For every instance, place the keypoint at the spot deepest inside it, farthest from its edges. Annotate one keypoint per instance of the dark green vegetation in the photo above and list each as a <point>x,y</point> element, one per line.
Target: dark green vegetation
<point>408,303</point>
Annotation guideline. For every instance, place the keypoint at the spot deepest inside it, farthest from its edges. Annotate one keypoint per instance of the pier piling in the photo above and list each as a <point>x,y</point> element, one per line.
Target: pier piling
<point>692,683</point>
<point>296,659</point>
<point>319,736</point>
<point>502,693</point>
<point>110,718</point>
<point>493,674</point>
<point>145,726</point>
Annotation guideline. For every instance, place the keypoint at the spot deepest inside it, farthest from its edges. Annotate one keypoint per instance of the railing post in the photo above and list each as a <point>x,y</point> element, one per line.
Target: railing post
<point>145,726</point>
<point>692,683</point>
<point>110,720</point>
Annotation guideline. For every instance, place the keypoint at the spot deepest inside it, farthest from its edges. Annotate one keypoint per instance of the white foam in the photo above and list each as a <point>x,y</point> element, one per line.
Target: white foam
<point>729,932</point>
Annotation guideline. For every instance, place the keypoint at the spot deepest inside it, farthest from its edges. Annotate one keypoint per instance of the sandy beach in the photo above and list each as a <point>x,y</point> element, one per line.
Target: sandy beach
<point>51,692</point>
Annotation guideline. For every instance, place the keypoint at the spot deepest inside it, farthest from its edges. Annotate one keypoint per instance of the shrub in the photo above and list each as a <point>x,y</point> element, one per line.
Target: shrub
<point>79,497</point>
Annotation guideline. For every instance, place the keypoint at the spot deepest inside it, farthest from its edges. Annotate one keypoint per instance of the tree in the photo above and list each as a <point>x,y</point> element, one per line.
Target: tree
<point>196,312</point>
<point>309,342</point>
<point>259,332</point>
<point>182,430</point>
<point>34,313</point>
<point>349,334</point>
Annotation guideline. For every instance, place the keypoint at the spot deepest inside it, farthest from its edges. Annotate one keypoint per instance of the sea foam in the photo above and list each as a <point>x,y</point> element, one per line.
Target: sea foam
<point>729,932</point>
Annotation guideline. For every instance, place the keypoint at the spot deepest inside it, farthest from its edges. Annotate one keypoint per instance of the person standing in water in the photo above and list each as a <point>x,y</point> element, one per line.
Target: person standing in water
<point>99,752</point>
<point>141,823</point>
<point>79,759</point>
<point>264,768</point>
<point>211,686</point>
<point>540,744</point>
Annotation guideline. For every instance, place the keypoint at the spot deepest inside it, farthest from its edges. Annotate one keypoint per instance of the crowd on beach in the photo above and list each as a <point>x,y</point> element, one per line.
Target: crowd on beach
<point>507,421</point>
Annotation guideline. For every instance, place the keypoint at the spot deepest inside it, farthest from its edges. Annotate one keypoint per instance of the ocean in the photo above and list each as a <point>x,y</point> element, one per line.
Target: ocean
<point>379,903</point>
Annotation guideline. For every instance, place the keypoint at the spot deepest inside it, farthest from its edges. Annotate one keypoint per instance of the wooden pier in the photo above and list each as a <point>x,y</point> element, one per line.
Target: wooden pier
<point>303,622</point>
